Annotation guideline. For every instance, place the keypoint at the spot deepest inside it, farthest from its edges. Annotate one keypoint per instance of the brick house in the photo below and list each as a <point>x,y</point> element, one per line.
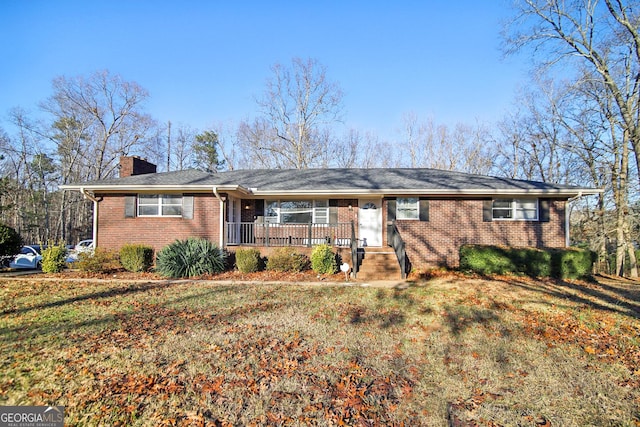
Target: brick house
<point>421,216</point>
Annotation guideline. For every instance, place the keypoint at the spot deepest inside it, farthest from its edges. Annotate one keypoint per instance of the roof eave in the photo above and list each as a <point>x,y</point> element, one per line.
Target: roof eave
<point>154,188</point>
<point>557,192</point>
<point>434,192</point>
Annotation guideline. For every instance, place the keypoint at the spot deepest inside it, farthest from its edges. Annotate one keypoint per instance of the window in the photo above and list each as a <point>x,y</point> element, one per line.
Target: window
<point>159,205</point>
<point>515,209</point>
<point>407,208</point>
<point>296,211</point>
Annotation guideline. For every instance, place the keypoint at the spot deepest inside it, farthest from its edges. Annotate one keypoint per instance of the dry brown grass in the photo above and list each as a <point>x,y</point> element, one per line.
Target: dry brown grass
<point>501,351</point>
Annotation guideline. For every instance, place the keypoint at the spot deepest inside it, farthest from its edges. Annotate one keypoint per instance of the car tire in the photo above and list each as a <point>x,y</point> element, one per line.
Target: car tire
<point>39,265</point>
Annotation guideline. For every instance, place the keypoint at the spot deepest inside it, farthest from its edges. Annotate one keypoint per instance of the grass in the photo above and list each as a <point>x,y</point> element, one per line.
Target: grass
<point>503,351</point>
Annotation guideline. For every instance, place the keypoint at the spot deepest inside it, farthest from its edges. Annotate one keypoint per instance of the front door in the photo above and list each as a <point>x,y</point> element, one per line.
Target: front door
<point>370,222</point>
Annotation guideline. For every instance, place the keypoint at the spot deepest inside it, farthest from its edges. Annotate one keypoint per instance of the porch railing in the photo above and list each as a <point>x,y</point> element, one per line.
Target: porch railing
<point>267,234</point>
<point>395,241</point>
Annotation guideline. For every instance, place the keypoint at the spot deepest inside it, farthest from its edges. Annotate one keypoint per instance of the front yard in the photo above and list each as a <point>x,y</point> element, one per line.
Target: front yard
<point>505,351</point>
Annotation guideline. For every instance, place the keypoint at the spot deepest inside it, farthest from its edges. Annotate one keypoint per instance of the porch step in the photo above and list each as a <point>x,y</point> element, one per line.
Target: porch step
<point>379,264</point>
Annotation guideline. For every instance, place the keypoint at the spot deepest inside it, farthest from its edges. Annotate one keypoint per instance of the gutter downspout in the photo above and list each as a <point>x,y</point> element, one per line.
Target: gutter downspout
<point>96,206</point>
<point>567,240</point>
<point>221,216</point>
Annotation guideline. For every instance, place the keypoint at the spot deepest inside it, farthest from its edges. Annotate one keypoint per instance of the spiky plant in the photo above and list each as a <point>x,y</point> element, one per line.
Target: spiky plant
<point>189,258</point>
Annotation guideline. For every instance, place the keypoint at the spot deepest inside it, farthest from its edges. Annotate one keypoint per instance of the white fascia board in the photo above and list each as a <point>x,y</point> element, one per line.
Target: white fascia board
<point>155,188</point>
<point>430,192</point>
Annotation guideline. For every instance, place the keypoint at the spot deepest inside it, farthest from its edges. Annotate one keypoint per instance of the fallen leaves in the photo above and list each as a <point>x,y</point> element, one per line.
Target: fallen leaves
<point>207,354</point>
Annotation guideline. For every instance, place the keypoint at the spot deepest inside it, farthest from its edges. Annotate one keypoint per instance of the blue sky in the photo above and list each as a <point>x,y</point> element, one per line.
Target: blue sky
<point>203,62</point>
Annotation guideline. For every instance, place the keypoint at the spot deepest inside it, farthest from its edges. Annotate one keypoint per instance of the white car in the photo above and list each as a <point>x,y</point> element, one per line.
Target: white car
<point>82,246</point>
<point>29,257</point>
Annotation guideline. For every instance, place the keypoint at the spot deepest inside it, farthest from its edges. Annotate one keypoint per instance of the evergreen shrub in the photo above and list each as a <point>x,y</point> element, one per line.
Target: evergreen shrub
<point>136,257</point>
<point>99,260</point>
<point>54,258</point>
<point>248,260</point>
<point>323,260</point>
<point>10,241</point>
<point>570,263</point>
<point>286,258</point>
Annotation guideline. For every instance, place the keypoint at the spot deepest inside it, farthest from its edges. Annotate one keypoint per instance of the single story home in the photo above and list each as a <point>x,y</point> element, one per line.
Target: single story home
<point>422,216</point>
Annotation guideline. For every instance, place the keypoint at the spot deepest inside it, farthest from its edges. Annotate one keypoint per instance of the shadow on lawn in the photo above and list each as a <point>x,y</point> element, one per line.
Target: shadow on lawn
<point>113,292</point>
<point>456,317</point>
<point>616,295</point>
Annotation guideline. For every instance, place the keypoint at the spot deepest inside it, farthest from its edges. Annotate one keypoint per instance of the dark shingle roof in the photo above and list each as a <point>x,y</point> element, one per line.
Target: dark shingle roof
<point>398,180</point>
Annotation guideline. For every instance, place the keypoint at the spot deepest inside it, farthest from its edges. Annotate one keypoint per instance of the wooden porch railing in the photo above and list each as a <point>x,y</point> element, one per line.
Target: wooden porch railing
<point>267,234</point>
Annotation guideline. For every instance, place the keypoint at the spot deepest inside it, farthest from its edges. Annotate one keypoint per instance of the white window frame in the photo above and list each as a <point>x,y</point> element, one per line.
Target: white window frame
<point>161,201</point>
<point>319,211</point>
<point>517,209</point>
<point>404,209</point>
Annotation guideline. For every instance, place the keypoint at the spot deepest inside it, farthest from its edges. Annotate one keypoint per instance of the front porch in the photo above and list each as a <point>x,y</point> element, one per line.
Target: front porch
<point>267,234</point>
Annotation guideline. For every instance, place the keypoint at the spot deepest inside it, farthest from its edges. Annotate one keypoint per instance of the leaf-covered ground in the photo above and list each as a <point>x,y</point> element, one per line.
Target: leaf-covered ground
<point>449,350</point>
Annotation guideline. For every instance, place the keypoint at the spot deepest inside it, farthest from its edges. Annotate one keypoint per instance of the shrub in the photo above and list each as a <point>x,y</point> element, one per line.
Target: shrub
<point>287,259</point>
<point>323,260</point>
<point>54,258</point>
<point>248,260</point>
<point>99,260</point>
<point>485,259</point>
<point>189,258</point>
<point>572,263</point>
<point>10,241</point>
<point>569,263</point>
<point>136,257</point>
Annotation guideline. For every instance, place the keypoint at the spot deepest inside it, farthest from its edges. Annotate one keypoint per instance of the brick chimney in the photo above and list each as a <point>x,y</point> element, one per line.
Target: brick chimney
<point>134,165</point>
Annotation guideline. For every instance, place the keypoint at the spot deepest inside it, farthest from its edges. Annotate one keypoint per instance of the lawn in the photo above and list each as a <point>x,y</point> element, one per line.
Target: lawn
<point>444,351</point>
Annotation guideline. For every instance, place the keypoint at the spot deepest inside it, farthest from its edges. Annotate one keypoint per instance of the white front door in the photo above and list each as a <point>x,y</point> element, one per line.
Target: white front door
<point>370,222</point>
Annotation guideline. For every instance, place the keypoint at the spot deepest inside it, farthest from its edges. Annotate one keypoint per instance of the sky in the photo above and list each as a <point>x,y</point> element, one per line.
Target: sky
<point>205,62</point>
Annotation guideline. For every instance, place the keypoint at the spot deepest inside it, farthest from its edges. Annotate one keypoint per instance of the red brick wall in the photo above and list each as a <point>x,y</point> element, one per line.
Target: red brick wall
<point>453,223</point>
<point>114,230</point>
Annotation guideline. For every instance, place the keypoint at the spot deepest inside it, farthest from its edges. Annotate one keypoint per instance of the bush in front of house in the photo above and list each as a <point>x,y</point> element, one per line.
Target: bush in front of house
<point>287,259</point>
<point>10,241</point>
<point>323,260</point>
<point>485,259</point>
<point>136,257</point>
<point>190,258</point>
<point>571,263</point>
<point>100,260</point>
<point>248,260</point>
<point>54,258</point>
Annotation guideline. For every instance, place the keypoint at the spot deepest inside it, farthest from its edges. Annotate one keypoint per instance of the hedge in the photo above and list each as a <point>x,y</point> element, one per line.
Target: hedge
<point>570,263</point>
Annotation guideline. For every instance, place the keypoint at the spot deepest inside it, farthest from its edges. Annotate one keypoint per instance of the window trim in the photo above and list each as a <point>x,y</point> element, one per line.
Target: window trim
<point>160,198</point>
<point>515,206</point>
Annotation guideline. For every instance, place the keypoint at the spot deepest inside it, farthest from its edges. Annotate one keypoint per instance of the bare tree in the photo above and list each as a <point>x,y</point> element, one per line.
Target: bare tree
<point>111,112</point>
<point>602,36</point>
<point>298,107</point>
<point>428,144</point>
